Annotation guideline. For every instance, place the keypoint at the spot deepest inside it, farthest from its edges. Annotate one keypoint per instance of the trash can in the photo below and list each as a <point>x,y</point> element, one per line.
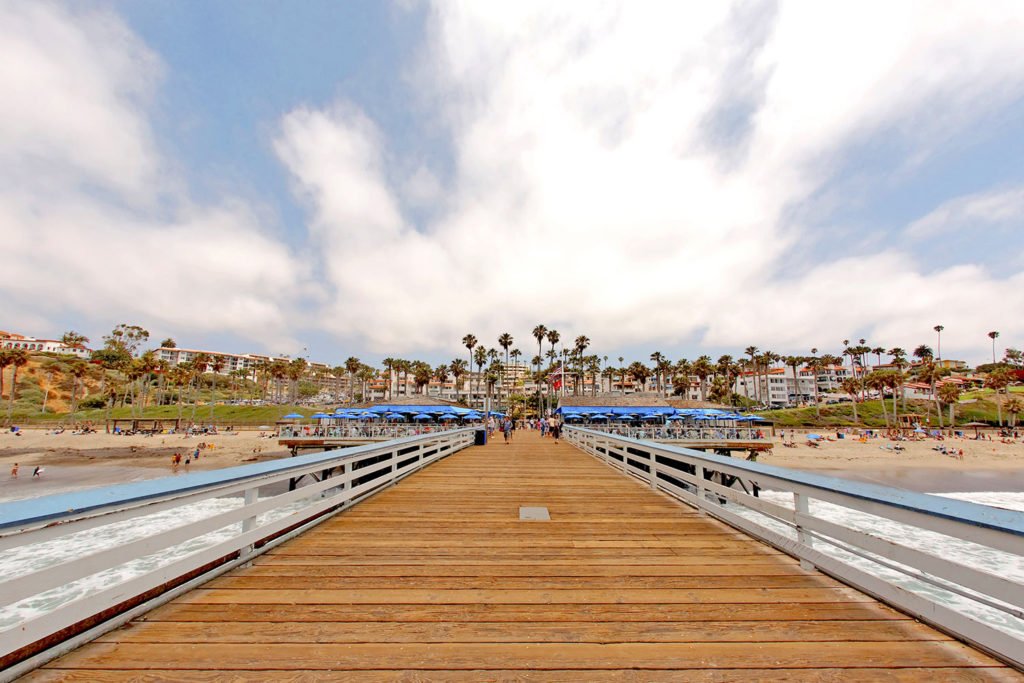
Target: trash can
<point>480,437</point>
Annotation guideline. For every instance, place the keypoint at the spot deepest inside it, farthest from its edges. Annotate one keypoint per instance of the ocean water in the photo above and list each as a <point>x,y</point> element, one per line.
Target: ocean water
<point>21,560</point>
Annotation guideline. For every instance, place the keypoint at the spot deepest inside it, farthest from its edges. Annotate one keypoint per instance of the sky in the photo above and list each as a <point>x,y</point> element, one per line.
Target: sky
<point>366,179</point>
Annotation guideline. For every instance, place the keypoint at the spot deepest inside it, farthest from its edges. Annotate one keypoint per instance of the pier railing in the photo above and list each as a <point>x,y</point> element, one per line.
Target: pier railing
<point>681,433</point>
<point>150,541</point>
<point>940,559</point>
<point>361,431</point>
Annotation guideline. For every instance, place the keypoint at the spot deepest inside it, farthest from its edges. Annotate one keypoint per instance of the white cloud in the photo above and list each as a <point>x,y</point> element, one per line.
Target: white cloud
<point>1002,208</point>
<point>587,195</point>
<point>615,171</point>
<point>95,224</point>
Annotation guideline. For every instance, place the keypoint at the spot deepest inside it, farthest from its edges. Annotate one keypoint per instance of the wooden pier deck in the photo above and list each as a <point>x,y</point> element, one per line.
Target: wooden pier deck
<point>438,578</point>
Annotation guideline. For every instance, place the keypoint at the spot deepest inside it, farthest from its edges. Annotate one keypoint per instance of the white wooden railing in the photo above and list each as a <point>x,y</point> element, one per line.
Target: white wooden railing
<point>360,431</point>
<point>681,433</point>
<point>914,570</point>
<point>163,543</point>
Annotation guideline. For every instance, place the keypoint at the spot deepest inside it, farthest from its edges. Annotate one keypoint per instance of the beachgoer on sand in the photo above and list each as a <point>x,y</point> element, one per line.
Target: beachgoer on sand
<point>14,471</point>
<point>37,471</point>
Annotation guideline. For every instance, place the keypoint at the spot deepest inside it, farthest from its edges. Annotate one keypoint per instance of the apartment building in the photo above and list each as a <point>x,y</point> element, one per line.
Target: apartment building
<point>11,340</point>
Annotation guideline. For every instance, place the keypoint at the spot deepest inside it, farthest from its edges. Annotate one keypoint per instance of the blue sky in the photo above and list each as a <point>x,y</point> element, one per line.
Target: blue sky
<point>374,179</point>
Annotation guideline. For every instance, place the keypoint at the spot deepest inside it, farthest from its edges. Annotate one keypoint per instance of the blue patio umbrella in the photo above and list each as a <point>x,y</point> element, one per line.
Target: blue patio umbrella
<point>423,416</point>
<point>393,416</point>
<point>320,416</point>
<point>293,416</point>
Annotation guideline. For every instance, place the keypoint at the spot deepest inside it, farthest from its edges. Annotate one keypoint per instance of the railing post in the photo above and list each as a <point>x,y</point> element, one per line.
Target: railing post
<point>249,523</point>
<point>800,505</point>
<point>653,470</point>
<point>701,491</point>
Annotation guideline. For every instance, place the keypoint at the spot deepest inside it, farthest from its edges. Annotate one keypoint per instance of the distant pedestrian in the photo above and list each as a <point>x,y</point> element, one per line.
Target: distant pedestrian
<point>506,428</point>
<point>14,471</point>
<point>38,470</point>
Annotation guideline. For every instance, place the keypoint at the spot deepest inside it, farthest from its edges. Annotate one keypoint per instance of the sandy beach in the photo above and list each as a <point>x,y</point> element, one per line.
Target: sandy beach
<point>86,460</point>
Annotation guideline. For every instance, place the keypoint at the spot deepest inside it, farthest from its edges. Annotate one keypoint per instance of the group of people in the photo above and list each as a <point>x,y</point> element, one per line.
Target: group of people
<point>189,457</point>
<point>547,426</point>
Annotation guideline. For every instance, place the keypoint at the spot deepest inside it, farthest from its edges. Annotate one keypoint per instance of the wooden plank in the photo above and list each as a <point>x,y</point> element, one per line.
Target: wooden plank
<point>847,611</point>
<point>252,582</point>
<point>747,568</point>
<point>522,597</point>
<point>485,656</point>
<point>535,632</point>
<point>904,675</point>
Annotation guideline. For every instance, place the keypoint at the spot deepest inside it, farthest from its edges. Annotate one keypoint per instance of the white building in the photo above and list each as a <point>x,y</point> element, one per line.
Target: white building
<point>9,340</point>
<point>780,388</point>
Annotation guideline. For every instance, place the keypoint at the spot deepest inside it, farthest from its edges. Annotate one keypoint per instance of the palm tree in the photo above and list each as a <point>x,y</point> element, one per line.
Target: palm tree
<point>469,341</point>
<point>78,369</point>
<point>553,338</point>
<point>582,343</point>
<point>458,369</point>
<point>17,358</point>
<point>421,373</point>
<point>480,358</point>
<point>814,363</point>
<point>794,362</point>
<point>899,361</point>
<point>702,368</point>
<point>752,352</point>
<point>389,365</point>
<point>216,365</point>
<point>5,360</point>
<point>199,364</point>
<point>931,373</point>
<point>656,359</point>
<point>949,393</point>
<point>539,331</point>
<point>682,370</point>
<point>997,379</point>
<point>296,371</point>
<point>640,372</point>
<point>770,359</point>
<point>178,377</point>
<point>877,382</point>
<point>727,368</point>
<point>992,335</point>
<point>878,351</point>
<point>852,387</point>
<point>352,365</point>
<point>938,341</point>
<point>505,341</point>
<point>442,371</point>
